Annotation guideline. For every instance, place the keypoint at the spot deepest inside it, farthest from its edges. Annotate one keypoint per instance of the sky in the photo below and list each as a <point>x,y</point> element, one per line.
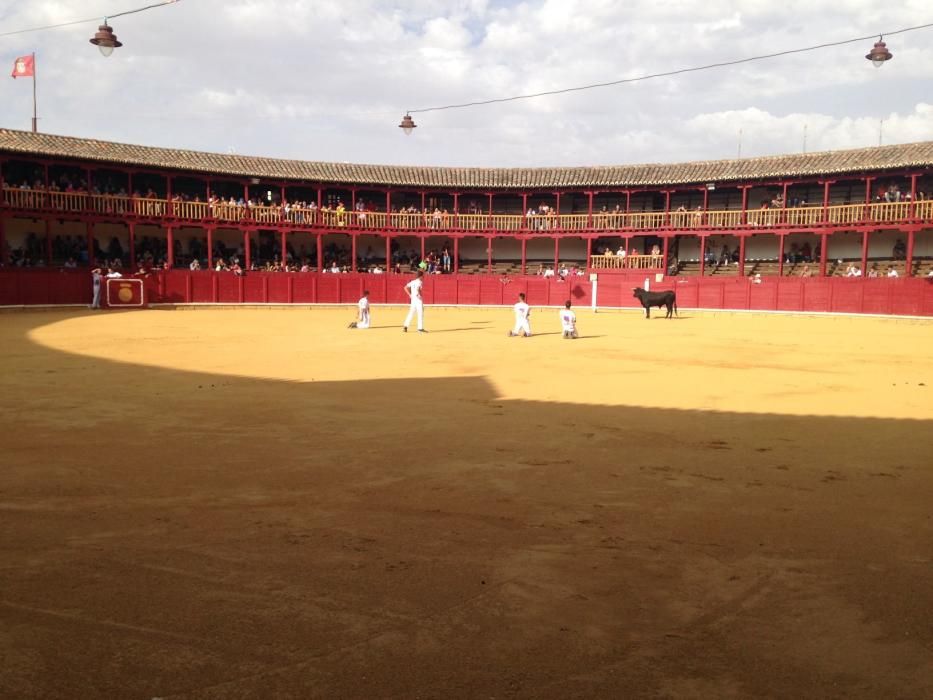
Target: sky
<point>329,80</point>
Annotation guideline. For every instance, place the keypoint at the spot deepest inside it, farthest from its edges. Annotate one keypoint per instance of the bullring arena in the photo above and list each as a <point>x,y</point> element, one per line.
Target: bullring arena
<point>262,503</point>
<point>218,490</point>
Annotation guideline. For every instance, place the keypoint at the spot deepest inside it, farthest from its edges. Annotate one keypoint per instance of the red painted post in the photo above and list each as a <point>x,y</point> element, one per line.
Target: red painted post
<point>320,247</point>
<point>702,255</point>
<point>388,253</point>
<point>353,238</point>
<point>557,203</point>
<point>909,263</point>
<point>783,208</point>
<point>524,210</point>
<point>388,208</point>
<point>48,245</point>
<point>744,189</point>
<point>352,199</point>
<point>208,190</point>
<point>524,257</point>
<point>320,198</point>
<point>489,254</point>
<point>667,241</point>
<point>284,245</point>
<point>826,201</point>
<point>210,247</point>
<point>913,197</point>
<point>824,244</point>
<point>556,254</point>
<point>781,249</point>
<point>742,256</point>
<point>865,252</point>
<point>866,215</point>
<point>456,255</point>
<point>628,201</point>
<point>169,247</point>
<point>170,210</point>
<point>489,220</point>
<point>667,215</point>
<point>247,256</point>
<point>132,228</point>
<point>705,218</point>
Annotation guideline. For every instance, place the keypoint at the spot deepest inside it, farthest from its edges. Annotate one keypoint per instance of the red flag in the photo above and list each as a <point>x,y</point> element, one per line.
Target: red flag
<point>24,67</point>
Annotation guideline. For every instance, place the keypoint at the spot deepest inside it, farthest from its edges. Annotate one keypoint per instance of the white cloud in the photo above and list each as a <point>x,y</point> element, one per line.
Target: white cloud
<point>329,80</point>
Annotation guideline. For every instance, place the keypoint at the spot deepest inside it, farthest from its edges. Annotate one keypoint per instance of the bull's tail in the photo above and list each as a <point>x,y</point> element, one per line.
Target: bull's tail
<point>675,307</point>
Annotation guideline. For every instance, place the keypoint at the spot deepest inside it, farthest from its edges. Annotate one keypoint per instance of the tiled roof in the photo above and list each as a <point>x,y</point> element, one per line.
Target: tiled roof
<point>913,155</point>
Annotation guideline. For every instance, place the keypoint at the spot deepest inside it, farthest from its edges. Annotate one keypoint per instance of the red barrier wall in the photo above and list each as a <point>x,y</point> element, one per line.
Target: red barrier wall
<point>834,294</point>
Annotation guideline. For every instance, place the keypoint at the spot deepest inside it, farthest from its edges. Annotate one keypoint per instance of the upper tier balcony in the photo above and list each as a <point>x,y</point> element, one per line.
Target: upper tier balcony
<point>188,213</point>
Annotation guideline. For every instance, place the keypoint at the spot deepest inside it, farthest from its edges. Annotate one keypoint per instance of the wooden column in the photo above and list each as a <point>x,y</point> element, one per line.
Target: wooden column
<point>320,247</point>
<point>556,253</point>
<point>353,238</point>
<point>742,256</point>
<point>865,252</point>
<point>826,201</point>
<point>589,210</point>
<point>667,241</point>
<point>489,254</point>
<point>589,253</point>
<point>524,256</point>
<point>908,270</point>
<point>283,243</point>
<point>388,253</point>
<point>210,247</point>
<point>913,198</point>
<point>91,258</point>
<point>702,255</point>
<point>781,251</point>
<point>132,228</point>
<point>169,247</point>
<point>525,210</point>
<point>48,243</point>
<point>247,255</point>
<point>744,189</point>
<point>866,215</point>
<point>783,207</point>
<point>824,244</point>
<point>667,210</point>
<point>489,220</point>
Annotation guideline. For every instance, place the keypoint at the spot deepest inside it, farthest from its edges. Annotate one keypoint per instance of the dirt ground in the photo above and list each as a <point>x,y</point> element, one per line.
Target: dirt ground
<point>264,504</point>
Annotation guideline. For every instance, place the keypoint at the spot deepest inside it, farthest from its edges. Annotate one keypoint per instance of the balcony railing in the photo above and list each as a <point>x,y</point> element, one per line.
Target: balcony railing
<point>627,262</point>
<point>325,218</point>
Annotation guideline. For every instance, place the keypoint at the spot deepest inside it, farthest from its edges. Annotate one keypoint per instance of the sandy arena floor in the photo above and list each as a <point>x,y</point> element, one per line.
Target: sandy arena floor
<point>264,504</point>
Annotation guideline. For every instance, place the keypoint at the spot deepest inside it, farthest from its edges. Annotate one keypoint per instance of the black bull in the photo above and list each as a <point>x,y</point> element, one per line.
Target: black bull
<point>659,299</point>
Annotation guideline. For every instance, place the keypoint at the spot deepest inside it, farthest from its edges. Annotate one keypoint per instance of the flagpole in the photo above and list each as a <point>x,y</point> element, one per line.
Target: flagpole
<point>34,109</point>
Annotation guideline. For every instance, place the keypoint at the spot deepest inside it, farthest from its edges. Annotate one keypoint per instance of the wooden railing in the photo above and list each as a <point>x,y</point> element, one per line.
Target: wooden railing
<point>627,262</point>
<point>153,208</point>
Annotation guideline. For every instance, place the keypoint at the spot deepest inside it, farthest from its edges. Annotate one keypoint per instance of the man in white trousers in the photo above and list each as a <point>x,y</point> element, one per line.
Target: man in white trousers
<point>568,321</point>
<point>362,319</point>
<point>413,289</point>
<point>522,318</point>
<point>96,279</point>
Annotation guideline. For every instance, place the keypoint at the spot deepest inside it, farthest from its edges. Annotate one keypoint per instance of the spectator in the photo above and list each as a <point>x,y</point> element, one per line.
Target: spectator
<point>900,250</point>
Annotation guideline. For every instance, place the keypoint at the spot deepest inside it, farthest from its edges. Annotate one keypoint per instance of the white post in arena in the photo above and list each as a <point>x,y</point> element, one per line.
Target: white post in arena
<point>593,277</point>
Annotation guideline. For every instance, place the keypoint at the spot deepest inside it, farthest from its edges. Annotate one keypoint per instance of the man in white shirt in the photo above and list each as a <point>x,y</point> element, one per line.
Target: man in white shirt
<point>892,273</point>
<point>522,318</point>
<point>568,321</point>
<point>96,277</point>
<point>362,320</point>
<point>413,289</point>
